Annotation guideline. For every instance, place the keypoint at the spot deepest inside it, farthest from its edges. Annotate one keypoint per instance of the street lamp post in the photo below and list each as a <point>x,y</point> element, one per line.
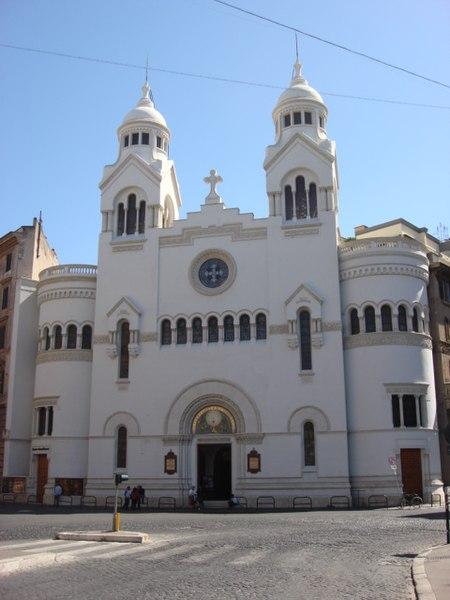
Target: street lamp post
<point>118,479</point>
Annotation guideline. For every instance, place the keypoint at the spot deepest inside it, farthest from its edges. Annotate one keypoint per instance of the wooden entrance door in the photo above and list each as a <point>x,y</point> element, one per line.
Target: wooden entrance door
<point>411,471</point>
<point>42,476</point>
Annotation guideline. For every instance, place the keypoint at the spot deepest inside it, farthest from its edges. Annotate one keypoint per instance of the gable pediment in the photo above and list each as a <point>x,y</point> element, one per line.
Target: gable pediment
<point>125,308</point>
<point>304,297</point>
<point>305,142</point>
<point>132,161</point>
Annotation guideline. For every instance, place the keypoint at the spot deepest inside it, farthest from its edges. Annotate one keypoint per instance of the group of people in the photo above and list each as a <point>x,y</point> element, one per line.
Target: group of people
<point>195,499</point>
<point>134,496</point>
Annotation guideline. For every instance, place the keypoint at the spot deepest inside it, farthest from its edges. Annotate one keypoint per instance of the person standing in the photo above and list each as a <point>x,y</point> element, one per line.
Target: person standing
<point>57,492</point>
<point>141,496</point>
<point>126,498</point>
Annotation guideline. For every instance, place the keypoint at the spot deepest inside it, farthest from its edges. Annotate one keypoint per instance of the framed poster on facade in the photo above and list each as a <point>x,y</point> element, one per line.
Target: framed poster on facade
<point>170,463</point>
<point>253,461</point>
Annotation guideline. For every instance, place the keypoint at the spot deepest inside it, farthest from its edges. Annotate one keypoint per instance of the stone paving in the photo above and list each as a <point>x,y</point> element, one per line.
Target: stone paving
<point>304,555</point>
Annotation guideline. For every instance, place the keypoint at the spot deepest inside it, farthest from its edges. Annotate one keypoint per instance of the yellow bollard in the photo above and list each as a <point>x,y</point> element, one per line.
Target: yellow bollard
<point>116,521</point>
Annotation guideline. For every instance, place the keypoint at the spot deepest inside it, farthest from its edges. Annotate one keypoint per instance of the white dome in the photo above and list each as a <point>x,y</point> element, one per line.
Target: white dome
<point>299,89</point>
<point>145,110</point>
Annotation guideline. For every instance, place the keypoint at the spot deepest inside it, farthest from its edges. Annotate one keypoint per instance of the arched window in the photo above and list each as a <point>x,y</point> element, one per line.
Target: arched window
<point>86,337</point>
<point>309,445</point>
<point>312,200</point>
<point>124,355</point>
<point>72,337</point>
<point>141,219</point>
<point>301,209</point>
<point>57,337</point>
<point>354,321</point>
<point>121,455</point>
<point>181,331</point>
<point>120,219</point>
<point>261,326</point>
<point>244,328</point>
<point>213,330</point>
<point>197,331</point>
<point>386,318</point>
<point>166,333</point>
<point>50,421</point>
<point>228,329</point>
<point>369,319</point>
<point>415,321</point>
<point>402,320</point>
<point>305,340</point>
<point>131,214</point>
<point>42,417</point>
<point>288,203</point>
<point>47,339</point>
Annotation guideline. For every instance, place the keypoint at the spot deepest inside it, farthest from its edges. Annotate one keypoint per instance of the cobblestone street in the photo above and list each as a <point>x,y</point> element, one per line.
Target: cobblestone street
<point>313,555</point>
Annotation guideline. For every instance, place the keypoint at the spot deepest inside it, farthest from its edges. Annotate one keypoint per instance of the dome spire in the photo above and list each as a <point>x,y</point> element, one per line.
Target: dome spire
<point>297,70</point>
<point>147,96</point>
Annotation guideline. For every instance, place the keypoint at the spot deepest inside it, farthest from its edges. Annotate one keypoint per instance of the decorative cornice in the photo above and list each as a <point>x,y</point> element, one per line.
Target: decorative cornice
<point>331,326</point>
<point>101,339</point>
<point>407,388</point>
<point>249,438</point>
<point>45,401</point>
<point>301,229</point>
<point>388,338</point>
<point>384,269</point>
<point>176,439</point>
<point>127,246</point>
<point>278,329</point>
<point>151,336</point>
<point>235,230</point>
<point>65,293</point>
<point>63,355</point>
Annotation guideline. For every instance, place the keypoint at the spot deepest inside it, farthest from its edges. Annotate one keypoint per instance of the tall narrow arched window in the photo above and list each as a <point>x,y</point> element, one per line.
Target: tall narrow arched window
<point>402,320</point>
<point>386,318</point>
<point>121,448</point>
<point>166,333</point>
<point>131,214</point>
<point>244,328</point>
<point>197,331</point>
<point>213,330</point>
<point>228,329</point>
<point>288,203</point>
<point>124,354</point>
<point>181,331</point>
<point>415,321</point>
<point>42,418</point>
<point>369,319</point>
<point>301,208</point>
<point>50,421</point>
<point>309,444</point>
<point>141,219</point>
<point>312,200</point>
<point>261,326</point>
<point>57,337</point>
<point>305,340</point>
<point>120,219</point>
<point>72,337</point>
<point>354,321</point>
<point>86,337</point>
<point>47,339</point>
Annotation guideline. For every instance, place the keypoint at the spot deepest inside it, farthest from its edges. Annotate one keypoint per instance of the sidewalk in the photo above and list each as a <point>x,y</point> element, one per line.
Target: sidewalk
<point>431,574</point>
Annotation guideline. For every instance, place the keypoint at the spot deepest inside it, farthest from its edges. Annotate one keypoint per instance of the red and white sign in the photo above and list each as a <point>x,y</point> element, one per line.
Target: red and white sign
<point>392,461</point>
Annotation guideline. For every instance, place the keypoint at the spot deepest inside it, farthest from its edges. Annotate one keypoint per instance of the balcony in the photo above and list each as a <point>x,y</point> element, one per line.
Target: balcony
<point>72,271</point>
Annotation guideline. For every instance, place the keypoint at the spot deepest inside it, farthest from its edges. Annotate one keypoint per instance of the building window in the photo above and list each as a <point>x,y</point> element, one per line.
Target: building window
<point>287,120</point>
<point>308,118</point>
<point>402,320</point>
<point>213,330</point>
<point>134,139</point>
<point>42,418</point>
<point>71,337</point>
<point>124,354</point>
<point>197,331</point>
<point>166,333</point>
<point>423,414</point>
<point>415,321</point>
<point>386,318</point>
<point>2,336</point>
<point>312,201</point>
<point>289,203</point>
<point>86,337</point>
<point>145,140</point>
<point>354,321</point>
<point>50,420</point>
<point>395,410</point>
<point>297,118</point>
<point>369,319</point>
<point>2,379</point>
<point>301,209</point>
<point>444,289</point>
<point>158,141</point>
<point>126,141</point>
<point>181,331</point>
<point>244,328</point>
<point>409,410</point>
<point>47,338</point>
<point>321,122</point>
<point>309,444</point>
<point>120,219</point>
<point>447,329</point>
<point>121,455</point>
<point>141,218</point>
<point>131,214</point>
<point>5,295</point>
<point>305,340</point>
<point>8,262</point>
<point>57,337</point>
<point>261,326</point>
<point>228,329</point>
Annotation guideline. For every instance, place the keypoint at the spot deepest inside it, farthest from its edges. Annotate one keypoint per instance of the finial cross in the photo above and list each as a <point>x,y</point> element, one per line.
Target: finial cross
<point>213,179</point>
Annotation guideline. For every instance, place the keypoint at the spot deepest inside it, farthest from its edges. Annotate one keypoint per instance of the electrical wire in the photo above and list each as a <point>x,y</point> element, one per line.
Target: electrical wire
<point>116,63</point>
<point>330,43</point>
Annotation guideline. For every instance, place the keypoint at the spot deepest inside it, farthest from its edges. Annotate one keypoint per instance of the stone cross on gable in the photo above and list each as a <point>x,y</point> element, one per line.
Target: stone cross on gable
<point>213,179</point>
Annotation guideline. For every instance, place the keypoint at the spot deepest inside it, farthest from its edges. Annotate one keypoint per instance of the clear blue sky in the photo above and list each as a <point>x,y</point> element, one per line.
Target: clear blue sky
<point>59,116</point>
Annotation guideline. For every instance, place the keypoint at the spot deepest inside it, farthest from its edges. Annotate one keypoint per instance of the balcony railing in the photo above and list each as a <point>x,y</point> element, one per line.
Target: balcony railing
<point>371,244</point>
<point>75,271</point>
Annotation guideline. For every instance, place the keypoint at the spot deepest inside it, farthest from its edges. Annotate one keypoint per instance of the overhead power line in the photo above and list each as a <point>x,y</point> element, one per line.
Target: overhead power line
<point>116,63</point>
<point>330,43</point>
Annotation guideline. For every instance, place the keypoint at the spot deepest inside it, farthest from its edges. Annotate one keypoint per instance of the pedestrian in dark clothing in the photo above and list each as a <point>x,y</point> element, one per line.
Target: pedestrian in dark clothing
<point>134,498</point>
<point>141,496</point>
<point>126,498</point>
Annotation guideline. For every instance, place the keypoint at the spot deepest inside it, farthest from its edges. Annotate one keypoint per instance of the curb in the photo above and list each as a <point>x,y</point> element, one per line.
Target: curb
<point>104,536</point>
<point>422,586</point>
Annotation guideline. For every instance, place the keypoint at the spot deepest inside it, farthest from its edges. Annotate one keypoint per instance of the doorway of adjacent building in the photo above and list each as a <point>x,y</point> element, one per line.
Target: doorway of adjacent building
<point>214,471</point>
<point>411,462</point>
<point>42,476</point>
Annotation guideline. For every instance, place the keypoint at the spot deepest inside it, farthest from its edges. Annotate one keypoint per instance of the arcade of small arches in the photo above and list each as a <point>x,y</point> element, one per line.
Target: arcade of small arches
<point>143,138</point>
<point>68,337</point>
<point>294,117</point>
<point>300,199</point>
<point>131,216</point>
<point>385,317</point>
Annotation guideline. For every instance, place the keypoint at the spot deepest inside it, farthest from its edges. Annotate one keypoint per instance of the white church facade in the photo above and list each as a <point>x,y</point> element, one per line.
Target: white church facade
<point>254,356</point>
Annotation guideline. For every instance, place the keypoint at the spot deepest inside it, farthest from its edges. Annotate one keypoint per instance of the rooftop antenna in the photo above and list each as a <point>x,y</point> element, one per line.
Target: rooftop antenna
<point>147,89</point>
<point>146,70</point>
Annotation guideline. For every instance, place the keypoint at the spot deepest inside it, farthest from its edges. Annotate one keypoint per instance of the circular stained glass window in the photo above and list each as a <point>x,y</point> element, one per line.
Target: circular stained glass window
<point>213,272</point>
